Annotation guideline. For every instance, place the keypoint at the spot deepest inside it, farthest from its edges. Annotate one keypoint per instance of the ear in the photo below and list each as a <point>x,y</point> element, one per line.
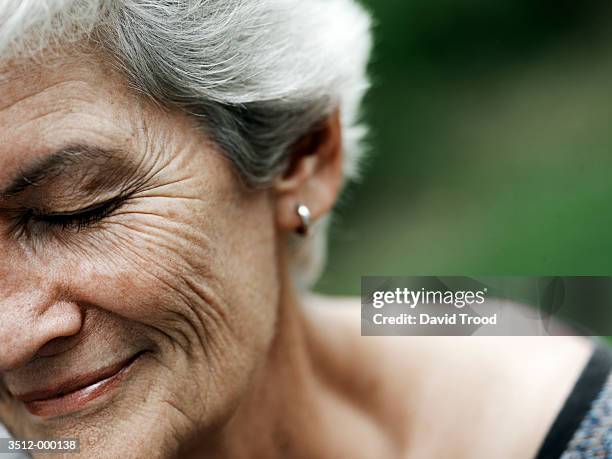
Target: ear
<point>314,176</point>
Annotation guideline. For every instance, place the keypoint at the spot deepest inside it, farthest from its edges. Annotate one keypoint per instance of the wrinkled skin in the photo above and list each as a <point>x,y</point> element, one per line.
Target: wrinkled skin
<point>185,270</point>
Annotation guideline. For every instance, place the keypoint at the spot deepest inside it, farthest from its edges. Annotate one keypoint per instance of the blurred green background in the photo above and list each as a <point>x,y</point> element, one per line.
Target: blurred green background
<point>491,144</point>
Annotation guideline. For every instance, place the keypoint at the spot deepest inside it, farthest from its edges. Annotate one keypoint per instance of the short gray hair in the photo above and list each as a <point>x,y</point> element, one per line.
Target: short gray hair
<point>260,73</point>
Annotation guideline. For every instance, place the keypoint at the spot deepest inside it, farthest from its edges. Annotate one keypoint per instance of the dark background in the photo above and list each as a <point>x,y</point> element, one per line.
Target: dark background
<point>490,151</point>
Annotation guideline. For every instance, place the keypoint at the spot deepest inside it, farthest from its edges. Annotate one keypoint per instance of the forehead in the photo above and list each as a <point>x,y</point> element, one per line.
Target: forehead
<point>45,106</point>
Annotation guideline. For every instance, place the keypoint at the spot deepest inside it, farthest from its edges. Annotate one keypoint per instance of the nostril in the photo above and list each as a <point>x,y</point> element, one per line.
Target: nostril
<point>58,346</point>
<point>30,334</point>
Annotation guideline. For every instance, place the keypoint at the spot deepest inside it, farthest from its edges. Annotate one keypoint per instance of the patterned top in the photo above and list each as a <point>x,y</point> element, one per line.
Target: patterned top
<point>593,439</point>
<point>583,429</point>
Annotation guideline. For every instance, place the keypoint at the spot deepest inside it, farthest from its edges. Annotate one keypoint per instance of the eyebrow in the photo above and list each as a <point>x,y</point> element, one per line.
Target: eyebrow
<point>59,162</point>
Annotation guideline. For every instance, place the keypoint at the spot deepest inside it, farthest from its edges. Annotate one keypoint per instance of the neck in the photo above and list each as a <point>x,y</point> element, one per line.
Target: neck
<point>296,407</point>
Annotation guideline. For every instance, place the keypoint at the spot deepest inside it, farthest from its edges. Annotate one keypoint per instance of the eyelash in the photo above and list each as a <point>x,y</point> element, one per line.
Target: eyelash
<point>76,221</point>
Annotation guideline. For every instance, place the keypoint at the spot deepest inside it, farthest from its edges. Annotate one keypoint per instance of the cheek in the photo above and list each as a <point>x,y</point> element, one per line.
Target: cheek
<point>201,276</point>
<point>191,276</point>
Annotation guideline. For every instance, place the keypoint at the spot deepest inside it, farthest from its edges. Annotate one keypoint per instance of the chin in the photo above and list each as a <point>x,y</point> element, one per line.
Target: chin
<point>114,413</point>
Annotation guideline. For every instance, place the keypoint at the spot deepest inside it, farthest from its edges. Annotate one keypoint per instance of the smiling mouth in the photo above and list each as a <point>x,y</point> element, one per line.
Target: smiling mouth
<point>76,393</point>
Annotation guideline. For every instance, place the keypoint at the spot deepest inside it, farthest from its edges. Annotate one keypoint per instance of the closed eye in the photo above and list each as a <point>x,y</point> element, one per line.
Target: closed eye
<point>75,220</point>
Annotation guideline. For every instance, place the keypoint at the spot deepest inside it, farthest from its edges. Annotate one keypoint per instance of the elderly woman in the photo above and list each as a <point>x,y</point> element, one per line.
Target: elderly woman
<point>167,169</point>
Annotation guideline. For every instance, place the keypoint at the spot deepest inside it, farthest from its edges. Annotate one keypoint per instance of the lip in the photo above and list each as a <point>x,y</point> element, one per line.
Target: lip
<point>74,394</point>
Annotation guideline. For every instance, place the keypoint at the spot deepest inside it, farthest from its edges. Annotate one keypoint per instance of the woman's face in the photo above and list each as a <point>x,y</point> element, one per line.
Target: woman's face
<point>131,252</point>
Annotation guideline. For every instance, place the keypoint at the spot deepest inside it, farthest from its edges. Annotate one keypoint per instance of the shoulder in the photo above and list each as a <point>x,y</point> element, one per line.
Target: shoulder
<point>485,396</point>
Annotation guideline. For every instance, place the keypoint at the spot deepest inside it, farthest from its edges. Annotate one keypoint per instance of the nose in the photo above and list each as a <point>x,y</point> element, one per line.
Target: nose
<point>32,313</point>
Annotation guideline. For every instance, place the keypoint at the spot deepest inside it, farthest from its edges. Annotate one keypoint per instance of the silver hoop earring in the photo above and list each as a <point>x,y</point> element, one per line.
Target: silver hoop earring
<point>304,214</point>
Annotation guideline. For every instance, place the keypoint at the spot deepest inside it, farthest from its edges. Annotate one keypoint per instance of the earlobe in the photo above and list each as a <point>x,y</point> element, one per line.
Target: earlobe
<point>313,178</point>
